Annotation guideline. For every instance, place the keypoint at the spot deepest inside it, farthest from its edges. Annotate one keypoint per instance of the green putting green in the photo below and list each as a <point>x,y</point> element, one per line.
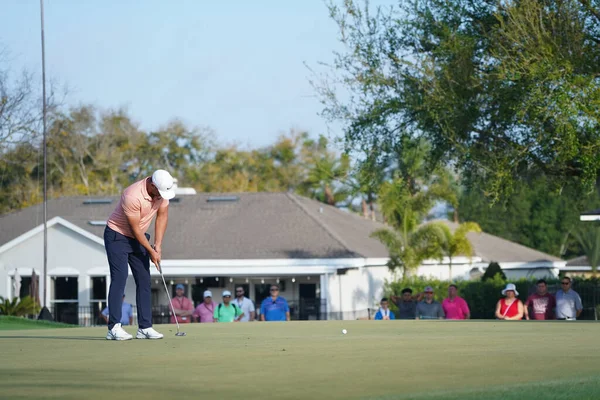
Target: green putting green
<point>18,323</point>
<point>309,360</point>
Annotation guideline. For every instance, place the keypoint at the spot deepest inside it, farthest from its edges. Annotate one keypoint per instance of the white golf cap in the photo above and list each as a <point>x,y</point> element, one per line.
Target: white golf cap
<point>510,286</point>
<point>226,293</point>
<point>207,293</point>
<point>164,183</point>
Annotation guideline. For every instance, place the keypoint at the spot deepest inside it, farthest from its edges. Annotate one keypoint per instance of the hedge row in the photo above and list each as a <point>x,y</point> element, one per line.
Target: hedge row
<point>483,296</point>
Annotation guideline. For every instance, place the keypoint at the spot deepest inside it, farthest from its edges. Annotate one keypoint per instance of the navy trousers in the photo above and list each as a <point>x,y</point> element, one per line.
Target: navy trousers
<point>121,251</point>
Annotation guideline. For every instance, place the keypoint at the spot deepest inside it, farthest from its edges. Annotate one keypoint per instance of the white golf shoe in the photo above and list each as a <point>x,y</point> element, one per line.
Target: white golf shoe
<point>118,333</point>
<point>148,333</point>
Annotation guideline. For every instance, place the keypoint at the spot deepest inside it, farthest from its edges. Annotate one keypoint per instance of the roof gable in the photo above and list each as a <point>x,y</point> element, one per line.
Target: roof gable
<point>50,223</point>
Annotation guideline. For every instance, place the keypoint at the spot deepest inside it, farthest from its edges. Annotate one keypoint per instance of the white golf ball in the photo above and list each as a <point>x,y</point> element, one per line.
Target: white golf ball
<point>344,331</point>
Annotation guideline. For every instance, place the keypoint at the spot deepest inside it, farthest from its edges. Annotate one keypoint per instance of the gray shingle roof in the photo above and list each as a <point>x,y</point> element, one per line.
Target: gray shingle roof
<point>493,248</point>
<point>592,212</point>
<point>258,226</point>
<point>581,261</point>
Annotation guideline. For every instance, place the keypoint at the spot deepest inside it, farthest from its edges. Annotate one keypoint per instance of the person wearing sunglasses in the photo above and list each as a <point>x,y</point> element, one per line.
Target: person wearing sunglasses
<point>244,304</point>
<point>568,302</point>
<point>274,307</point>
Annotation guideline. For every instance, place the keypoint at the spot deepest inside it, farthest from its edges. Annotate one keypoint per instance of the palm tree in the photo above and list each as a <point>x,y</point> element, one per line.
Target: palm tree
<point>18,307</point>
<point>457,243</point>
<point>410,245</point>
<point>589,240</point>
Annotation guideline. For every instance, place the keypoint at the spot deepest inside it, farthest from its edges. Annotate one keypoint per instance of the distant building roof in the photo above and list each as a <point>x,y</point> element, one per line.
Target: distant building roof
<point>493,248</point>
<point>253,226</point>
<point>581,261</point>
<point>227,226</point>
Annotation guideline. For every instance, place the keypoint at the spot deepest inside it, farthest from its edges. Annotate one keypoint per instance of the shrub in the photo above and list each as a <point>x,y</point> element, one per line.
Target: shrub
<point>18,307</point>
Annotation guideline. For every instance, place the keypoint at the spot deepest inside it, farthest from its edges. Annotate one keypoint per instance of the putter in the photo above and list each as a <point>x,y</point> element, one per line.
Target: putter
<point>170,302</point>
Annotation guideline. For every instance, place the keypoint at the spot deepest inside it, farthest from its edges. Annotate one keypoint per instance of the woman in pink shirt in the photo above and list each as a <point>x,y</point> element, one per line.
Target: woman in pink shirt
<point>455,307</point>
<point>205,311</point>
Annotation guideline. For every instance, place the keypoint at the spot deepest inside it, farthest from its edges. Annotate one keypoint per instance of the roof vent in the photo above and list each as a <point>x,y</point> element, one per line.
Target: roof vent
<point>97,223</point>
<point>213,199</point>
<point>98,201</point>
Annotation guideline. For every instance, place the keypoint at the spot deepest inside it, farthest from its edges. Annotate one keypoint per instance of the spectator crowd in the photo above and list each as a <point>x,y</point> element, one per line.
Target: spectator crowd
<point>564,305</point>
<point>230,309</point>
<point>541,305</point>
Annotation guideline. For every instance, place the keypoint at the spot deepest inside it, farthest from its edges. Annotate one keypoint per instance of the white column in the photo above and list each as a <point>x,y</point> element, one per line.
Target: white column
<point>48,294</point>
<point>107,286</point>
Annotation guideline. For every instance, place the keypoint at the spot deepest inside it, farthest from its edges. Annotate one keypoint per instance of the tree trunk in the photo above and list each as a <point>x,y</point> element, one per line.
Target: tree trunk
<point>329,196</point>
<point>365,209</point>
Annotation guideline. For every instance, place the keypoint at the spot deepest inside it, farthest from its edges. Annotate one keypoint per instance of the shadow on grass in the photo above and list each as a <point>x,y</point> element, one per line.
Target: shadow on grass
<point>53,337</point>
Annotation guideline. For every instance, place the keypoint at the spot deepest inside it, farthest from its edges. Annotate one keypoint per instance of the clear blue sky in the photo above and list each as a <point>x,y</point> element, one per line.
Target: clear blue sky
<point>235,66</point>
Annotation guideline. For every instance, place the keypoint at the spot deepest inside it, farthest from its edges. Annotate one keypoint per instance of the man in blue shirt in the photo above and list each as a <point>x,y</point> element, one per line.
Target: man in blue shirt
<point>126,313</point>
<point>274,308</point>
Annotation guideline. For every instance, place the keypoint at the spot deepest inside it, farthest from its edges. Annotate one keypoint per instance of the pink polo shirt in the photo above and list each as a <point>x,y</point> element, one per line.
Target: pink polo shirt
<point>135,201</point>
<point>455,309</point>
<point>182,303</point>
<point>204,312</point>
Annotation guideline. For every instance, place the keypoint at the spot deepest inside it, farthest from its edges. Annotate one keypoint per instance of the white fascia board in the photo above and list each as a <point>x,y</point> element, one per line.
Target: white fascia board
<point>455,261</point>
<point>243,271</point>
<point>588,268</point>
<point>258,263</point>
<point>533,265</point>
<point>590,217</point>
<point>376,262</point>
<point>40,228</point>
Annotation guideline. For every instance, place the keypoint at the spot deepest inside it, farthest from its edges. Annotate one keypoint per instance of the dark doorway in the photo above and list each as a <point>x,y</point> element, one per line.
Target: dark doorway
<point>261,292</point>
<point>25,287</point>
<point>66,293</point>
<point>98,300</point>
<point>309,305</point>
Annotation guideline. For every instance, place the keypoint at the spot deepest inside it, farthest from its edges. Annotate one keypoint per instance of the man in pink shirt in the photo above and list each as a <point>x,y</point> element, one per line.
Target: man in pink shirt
<point>127,243</point>
<point>205,311</point>
<point>455,307</point>
<point>184,308</point>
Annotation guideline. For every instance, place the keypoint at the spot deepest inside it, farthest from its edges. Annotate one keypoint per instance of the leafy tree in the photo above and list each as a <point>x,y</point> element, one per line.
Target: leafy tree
<point>500,89</point>
<point>18,307</point>
<point>589,239</point>
<point>457,243</point>
<point>409,247</point>
<point>492,272</point>
<point>533,216</point>
<point>326,172</point>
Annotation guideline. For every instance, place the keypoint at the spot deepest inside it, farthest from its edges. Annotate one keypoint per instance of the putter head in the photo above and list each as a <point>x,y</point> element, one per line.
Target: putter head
<point>180,334</point>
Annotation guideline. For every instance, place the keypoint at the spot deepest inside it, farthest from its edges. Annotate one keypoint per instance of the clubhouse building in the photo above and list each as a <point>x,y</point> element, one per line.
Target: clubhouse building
<point>323,257</point>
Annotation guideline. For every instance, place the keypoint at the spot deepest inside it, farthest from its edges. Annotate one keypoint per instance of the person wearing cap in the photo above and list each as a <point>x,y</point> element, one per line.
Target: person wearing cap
<point>509,307</point>
<point>227,311</point>
<point>126,313</point>
<point>245,304</point>
<point>206,310</point>
<point>127,245</point>
<point>429,308</point>
<point>184,307</point>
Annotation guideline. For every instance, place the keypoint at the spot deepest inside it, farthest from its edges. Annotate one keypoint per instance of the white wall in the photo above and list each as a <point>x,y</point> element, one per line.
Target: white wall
<point>442,272</point>
<point>69,254</point>
<point>357,290</point>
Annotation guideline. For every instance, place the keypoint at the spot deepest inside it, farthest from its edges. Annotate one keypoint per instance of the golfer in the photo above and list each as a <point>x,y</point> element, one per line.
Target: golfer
<point>127,242</point>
